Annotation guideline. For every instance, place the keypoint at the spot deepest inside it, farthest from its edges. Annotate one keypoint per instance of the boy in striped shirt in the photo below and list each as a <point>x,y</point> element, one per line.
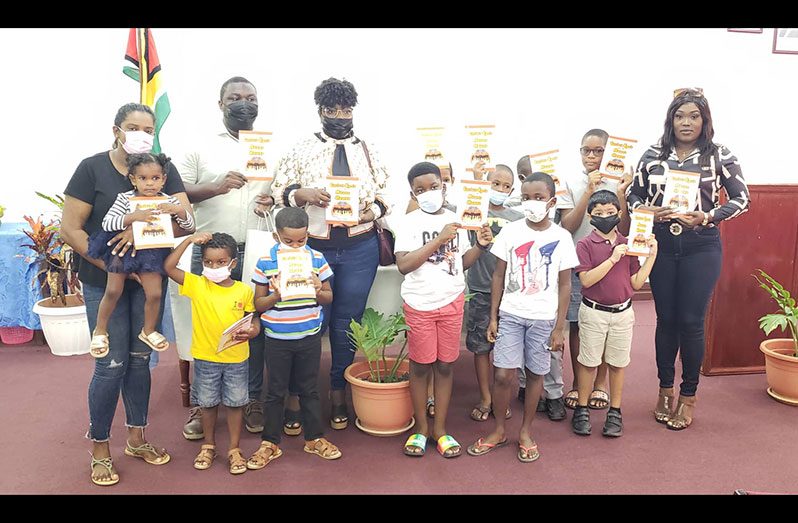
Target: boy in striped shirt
<point>293,348</point>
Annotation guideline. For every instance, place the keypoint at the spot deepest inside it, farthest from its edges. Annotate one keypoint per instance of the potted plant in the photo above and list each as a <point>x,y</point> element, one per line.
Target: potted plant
<point>781,354</point>
<point>62,311</point>
<point>380,384</point>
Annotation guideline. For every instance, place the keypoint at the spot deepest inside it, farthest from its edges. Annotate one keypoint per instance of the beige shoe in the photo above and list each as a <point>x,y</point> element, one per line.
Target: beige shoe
<point>664,409</point>
<point>683,416</point>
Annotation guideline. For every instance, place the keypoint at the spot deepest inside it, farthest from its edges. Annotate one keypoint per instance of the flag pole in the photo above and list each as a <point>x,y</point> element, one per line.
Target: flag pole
<point>143,66</point>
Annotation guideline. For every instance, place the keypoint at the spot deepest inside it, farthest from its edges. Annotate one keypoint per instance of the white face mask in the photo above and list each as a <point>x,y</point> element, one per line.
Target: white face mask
<point>137,142</point>
<point>535,210</point>
<point>217,275</point>
<point>431,201</point>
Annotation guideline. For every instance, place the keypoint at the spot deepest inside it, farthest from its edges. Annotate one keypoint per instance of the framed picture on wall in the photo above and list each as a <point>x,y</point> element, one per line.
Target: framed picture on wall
<point>785,40</point>
<point>745,30</point>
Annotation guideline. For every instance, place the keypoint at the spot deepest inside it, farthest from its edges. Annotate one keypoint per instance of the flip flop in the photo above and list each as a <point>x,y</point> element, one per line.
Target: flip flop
<point>481,448</point>
<point>416,440</point>
<point>528,454</point>
<point>599,399</point>
<point>571,399</point>
<point>447,442</point>
<point>431,407</point>
<point>480,412</point>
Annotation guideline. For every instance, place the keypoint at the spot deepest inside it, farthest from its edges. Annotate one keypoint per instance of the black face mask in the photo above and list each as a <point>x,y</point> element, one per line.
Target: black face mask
<point>338,128</point>
<point>605,223</point>
<point>240,115</point>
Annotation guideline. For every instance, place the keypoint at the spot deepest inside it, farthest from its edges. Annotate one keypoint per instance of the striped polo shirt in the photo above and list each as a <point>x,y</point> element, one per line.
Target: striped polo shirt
<point>292,319</point>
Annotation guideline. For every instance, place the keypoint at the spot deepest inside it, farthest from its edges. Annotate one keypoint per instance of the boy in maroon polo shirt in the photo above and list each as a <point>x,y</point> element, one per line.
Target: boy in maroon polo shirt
<point>606,319</point>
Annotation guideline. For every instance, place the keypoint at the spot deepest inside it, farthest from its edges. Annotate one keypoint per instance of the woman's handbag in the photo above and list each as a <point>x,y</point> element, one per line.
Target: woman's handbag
<point>385,238</point>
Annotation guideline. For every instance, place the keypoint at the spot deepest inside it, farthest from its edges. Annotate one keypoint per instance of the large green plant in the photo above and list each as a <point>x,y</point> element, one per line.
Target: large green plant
<point>372,335</point>
<point>787,317</point>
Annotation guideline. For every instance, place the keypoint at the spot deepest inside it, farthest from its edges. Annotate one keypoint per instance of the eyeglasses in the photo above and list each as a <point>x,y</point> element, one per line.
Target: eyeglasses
<point>695,91</point>
<point>330,112</point>
<point>598,151</point>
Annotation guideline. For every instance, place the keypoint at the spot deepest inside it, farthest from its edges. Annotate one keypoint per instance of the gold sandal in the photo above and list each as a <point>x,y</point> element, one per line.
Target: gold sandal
<point>205,458</point>
<point>144,450</point>
<point>258,460</point>
<point>99,346</point>
<point>664,409</point>
<point>238,465</point>
<point>327,450</point>
<point>155,340</point>
<point>683,417</point>
<point>108,463</point>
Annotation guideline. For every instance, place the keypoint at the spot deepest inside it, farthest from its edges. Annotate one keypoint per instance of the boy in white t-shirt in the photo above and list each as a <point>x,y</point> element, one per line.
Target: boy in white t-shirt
<point>530,292</point>
<point>432,251</point>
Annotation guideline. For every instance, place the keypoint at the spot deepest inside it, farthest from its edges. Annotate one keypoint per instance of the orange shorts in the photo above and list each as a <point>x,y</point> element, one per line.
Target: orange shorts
<point>435,335</point>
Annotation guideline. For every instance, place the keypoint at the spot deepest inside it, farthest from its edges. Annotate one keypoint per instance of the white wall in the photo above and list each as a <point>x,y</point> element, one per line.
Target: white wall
<point>541,87</point>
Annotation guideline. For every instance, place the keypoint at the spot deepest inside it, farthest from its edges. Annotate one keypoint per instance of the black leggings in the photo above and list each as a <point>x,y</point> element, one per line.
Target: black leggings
<point>682,281</point>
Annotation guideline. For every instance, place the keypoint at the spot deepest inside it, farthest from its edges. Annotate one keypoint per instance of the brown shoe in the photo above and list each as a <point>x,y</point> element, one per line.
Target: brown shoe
<point>192,430</point>
<point>664,409</point>
<point>683,416</point>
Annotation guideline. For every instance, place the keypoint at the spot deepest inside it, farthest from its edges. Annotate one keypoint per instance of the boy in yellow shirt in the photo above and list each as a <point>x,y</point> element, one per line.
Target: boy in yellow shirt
<point>217,302</point>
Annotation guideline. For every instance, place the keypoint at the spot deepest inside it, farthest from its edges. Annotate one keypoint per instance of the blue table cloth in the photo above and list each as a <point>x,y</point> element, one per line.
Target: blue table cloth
<point>18,294</point>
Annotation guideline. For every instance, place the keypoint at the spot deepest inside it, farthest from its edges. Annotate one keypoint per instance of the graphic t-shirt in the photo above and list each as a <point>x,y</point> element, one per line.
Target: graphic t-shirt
<point>534,261</point>
<point>481,273</point>
<point>439,280</point>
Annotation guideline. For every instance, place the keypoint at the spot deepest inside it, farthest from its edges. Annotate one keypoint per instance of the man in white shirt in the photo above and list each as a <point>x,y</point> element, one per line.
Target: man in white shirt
<point>225,201</point>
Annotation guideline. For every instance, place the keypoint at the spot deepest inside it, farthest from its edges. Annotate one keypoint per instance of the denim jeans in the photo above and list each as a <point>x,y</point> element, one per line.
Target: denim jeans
<point>682,281</point>
<point>256,344</point>
<point>354,269</point>
<point>126,367</point>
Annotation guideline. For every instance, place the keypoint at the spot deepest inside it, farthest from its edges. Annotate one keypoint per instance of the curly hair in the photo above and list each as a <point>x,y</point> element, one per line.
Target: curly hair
<point>134,160</point>
<point>332,92</point>
<point>221,240</point>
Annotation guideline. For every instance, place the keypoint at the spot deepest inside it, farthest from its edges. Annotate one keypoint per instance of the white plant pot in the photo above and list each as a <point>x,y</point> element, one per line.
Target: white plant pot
<point>385,296</point>
<point>66,329</point>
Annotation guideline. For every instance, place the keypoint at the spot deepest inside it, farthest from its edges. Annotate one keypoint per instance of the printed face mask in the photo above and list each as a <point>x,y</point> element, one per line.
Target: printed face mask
<point>535,210</point>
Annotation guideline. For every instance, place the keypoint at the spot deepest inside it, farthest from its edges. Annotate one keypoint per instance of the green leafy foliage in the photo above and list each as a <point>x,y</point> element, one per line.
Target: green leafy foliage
<point>372,335</point>
<point>786,317</point>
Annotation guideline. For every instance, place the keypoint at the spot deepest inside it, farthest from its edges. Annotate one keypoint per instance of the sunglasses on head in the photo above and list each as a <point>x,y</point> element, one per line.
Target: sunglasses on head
<point>695,91</point>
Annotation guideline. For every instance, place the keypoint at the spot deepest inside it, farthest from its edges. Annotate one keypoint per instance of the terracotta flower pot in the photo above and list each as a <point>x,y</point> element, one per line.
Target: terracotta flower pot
<point>382,409</point>
<point>781,368</point>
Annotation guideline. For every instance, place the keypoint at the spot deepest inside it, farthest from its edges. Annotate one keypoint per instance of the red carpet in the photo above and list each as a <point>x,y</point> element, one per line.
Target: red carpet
<point>741,439</point>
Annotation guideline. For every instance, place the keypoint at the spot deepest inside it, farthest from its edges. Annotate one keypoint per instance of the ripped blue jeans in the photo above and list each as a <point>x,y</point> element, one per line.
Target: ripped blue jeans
<point>126,367</point>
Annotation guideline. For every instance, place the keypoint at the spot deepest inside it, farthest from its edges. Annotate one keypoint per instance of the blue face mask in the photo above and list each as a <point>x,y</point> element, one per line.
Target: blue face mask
<point>496,197</point>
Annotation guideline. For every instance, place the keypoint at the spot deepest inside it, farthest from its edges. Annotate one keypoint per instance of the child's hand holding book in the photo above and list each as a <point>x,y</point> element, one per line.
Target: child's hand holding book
<point>485,235</point>
<point>448,233</point>
<point>274,284</point>
<point>316,283</point>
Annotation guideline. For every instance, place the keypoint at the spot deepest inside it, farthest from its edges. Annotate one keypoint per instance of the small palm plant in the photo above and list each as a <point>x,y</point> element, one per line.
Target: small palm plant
<point>787,317</point>
<point>372,335</point>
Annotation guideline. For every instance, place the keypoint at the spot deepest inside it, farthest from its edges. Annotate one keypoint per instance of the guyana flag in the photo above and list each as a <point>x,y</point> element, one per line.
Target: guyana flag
<point>142,54</point>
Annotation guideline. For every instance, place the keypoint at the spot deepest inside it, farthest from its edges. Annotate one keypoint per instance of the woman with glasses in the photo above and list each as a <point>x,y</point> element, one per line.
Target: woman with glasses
<point>90,193</point>
<point>690,252</point>
<point>352,251</point>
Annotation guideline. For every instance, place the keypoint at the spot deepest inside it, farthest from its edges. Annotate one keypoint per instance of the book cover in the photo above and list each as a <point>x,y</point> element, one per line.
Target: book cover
<point>296,269</point>
<point>472,201</point>
<point>640,230</point>
<point>156,233</point>
<point>344,207</point>
<point>254,146</point>
<point>227,340</point>
<point>617,157</point>
<point>681,191</point>
<point>431,140</point>
<point>547,162</point>
<point>479,136</point>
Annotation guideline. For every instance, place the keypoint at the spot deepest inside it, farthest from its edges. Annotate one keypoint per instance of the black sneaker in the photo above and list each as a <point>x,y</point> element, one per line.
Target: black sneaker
<point>541,405</point>
<point>613,426</point>
<point>521,394</point>
<point>580,423</point>
<point>253,416</point>
<point>556,409</point>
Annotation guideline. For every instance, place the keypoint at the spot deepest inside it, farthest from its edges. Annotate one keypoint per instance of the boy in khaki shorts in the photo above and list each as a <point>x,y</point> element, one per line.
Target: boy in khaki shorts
<point>606,319</point>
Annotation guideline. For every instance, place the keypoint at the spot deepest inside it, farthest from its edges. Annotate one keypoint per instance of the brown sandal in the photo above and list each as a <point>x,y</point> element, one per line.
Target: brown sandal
<point>664,409</point>
<point>238,465</point>
<point>205,457</point>
<point>683,416</point>
<point>267,452</point>
<point>326,450</point>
